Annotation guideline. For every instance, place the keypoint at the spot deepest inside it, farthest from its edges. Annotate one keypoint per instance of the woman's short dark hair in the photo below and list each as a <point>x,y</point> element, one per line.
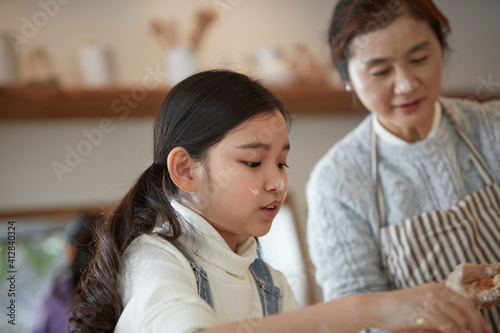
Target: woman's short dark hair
<point>352,18</point>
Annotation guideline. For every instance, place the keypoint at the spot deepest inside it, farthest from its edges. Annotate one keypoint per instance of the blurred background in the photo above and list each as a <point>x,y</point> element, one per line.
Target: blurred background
<point>80,82</point>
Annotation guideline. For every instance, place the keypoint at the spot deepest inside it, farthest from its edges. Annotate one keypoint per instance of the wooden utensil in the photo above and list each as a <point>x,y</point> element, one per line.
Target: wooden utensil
<point>204,19</point>
<point>165,32</point>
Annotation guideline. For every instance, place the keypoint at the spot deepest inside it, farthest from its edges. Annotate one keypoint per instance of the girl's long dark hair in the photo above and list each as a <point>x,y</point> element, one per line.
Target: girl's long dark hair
<point>196,114</point>
<point>79,234</point>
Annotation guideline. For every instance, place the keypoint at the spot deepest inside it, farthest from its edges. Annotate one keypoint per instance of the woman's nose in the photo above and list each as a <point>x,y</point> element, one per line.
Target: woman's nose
<point>405,82</point>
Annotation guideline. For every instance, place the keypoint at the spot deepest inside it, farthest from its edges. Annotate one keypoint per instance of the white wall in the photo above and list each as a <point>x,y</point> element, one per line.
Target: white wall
<point>27,149</point>
<point>242,28</point>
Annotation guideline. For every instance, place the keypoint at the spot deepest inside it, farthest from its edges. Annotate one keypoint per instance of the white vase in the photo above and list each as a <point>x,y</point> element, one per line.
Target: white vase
<point>96,66</point>
<point>9,70</point>
<point>272,67</point>
<point>180,62</point>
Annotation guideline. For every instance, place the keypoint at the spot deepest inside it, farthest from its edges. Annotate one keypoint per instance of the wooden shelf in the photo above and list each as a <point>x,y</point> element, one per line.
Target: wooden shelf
<point>37,103</point>
<point>48,103</point>
<point>65,211</point>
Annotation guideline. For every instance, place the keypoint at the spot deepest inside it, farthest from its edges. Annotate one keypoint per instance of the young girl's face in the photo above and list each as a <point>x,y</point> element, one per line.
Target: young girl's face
<point>243,182</point>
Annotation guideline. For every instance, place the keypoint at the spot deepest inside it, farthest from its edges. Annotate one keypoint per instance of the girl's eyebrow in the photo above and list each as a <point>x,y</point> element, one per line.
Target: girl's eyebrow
<point>261,145</point>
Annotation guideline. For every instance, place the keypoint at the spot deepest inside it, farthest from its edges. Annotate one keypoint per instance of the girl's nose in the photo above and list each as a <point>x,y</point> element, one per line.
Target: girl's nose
<point>275,182</point>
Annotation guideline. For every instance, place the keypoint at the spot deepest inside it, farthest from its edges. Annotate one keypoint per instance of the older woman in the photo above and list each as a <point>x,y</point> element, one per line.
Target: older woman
<point>411,192</point>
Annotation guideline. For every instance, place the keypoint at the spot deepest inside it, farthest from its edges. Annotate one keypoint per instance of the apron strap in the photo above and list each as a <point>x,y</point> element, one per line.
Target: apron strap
<point>479,162</point>
<point>375,177</point>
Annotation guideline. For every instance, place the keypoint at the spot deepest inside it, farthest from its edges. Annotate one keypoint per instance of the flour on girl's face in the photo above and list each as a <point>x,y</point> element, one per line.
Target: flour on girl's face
<point>280,185</point>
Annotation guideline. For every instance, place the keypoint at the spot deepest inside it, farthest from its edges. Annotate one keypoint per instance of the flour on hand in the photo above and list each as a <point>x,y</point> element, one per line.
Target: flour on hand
<point>496,280</point>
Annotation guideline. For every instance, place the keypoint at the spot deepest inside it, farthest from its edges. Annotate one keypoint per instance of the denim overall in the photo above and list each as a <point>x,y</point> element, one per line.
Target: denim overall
<point>268,292</point>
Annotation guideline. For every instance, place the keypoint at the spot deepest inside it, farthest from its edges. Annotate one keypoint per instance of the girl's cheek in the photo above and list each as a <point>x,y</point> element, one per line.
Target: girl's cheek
<point>234,169</point>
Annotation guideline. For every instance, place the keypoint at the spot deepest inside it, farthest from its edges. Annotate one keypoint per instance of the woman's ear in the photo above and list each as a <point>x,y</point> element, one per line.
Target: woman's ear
<point>181,169</point>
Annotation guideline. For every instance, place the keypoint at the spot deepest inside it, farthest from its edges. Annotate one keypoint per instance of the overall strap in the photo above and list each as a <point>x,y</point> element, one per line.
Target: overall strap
<point>199,273</point>
<point>268,292</point>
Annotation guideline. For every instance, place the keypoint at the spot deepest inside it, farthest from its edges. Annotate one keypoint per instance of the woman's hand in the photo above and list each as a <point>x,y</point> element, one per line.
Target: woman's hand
<point>474,282</point>
<point>429,308</point>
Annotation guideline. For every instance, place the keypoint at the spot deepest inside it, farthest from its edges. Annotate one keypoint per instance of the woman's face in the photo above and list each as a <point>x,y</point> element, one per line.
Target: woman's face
<point>396,73</point>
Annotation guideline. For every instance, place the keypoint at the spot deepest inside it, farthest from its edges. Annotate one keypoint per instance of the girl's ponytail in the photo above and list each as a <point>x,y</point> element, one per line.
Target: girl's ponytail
<point>97,304</point>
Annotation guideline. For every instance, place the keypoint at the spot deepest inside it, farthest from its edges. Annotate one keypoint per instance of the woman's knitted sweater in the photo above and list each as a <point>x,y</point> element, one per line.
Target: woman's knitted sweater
<point>435,173</point>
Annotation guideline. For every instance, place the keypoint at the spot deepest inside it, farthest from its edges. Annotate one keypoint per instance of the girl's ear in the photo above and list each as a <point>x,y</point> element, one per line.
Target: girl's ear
<point>181,169</point>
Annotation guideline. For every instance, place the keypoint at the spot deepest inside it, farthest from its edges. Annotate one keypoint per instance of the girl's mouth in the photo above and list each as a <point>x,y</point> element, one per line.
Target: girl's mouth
<point>271,210</point>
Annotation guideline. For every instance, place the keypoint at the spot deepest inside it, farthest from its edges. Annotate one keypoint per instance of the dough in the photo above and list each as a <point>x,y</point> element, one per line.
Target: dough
<point>496,280</point>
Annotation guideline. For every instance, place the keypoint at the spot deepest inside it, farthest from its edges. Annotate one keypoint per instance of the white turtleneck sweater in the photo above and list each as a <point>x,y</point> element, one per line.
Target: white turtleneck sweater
<point>159,290</point>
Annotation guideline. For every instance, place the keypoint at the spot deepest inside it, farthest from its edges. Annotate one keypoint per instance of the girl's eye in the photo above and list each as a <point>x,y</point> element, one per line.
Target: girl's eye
<point>252,164</point>
<point>420,60</point>
<point>282,165</point>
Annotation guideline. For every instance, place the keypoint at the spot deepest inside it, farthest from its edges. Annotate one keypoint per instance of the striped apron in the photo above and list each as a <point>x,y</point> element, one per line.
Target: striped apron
<point>426,248</point>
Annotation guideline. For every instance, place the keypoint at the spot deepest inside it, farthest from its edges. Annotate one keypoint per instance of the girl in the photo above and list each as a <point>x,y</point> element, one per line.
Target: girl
<point>178,254</point>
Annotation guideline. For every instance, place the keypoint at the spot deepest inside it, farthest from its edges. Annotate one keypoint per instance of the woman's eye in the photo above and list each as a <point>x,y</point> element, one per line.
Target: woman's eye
<point>252,164</point>
<point>381,73</point>
<point>282,165</point>
<point>419,60</point>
